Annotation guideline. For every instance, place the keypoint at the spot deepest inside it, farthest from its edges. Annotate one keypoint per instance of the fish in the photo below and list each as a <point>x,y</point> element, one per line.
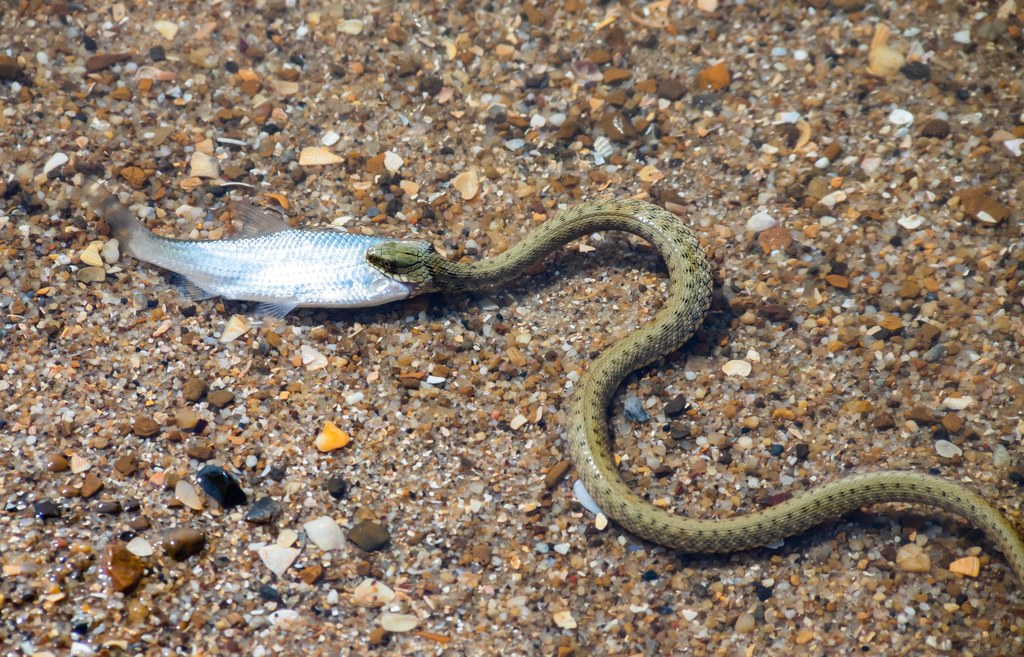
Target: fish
<point>268,262</point>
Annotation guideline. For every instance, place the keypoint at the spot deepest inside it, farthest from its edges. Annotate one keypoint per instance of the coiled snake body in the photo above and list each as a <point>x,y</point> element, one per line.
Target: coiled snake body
<point>687,304</point>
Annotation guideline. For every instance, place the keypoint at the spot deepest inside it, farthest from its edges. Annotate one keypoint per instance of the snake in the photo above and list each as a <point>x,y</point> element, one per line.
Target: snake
<point>688,301</point>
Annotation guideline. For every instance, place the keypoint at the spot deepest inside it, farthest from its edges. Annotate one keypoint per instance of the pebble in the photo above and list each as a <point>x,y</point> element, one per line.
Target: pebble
<point>193,389</point>
<point>761,221</point>
<point>372,593</point>
<point>56,463</point>
<point>167,29</point>
<point>45,510</point>
<point>79,464</point>
<point>263,511</point>
<point>202,165</point>
<point>935,128</point>
<point>958,403</point>
<point>337,488</point>
<point>330,138</point>
<point>617,127</point>
<point>220,398</point>
<point>634,409</point>
<point>517,422</point>
<point>318,156</point>
<point>1000,456</point>
<point>186,419</point>
<point>900,116</point>
<point>745,623</point>
<point>565,620</point>
<point>186,493</point>
<point>182,542</point>
<point>392,162</point>
<point>111,251</point>
<point>467,183</point>
<point>714,77</point>
<point>740,368</point>
<point>55,161</point>
<point>912,558</point>
<point>325,533</point>
<point>331,438</point>
<point>312,359</point>
<point>277,558</point>
<point>392,622</point>
<point>235,328</point>
<point>140,547</point>
<point>369,536</point>
<point>584,498</point>
<point>285,619</point>
<point>91,256</point>
<point>557,473</point>
<point>946,449</point>
<point>91,274</point>
<point>351,26</point>
<point>91,485</point>
<point>145,427</point>
<point>123,569</point>
<point>221,487</point>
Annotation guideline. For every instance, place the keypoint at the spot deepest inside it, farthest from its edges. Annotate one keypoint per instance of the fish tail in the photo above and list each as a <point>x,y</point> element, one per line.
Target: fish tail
<point>130,233</point>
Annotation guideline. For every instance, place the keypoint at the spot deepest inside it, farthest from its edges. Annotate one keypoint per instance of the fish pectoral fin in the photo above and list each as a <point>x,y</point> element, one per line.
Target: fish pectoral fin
<point>190,290</point>
<point>276,309</point>
<point>256,221</point>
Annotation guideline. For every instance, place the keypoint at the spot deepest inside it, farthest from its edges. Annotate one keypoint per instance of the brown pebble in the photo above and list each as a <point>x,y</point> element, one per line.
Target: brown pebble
<point>193,389</point>
<point>220,398</point>
<point>935,128</point>
<point>910,289</point>
<point>68,490</point>
<point>930,333</point>
<point>617,126</point>
<point>91,485</point>
<point>100,62</point>
<point>126,464</point>
<point>838,281</point>
<point>311,574</point>
<point>775,312</point>
<point>145,427</point>
<point>10,69</point>
<point>714,77</point>
<point>952,423</point>
<point>56,463</point>
<point>832,151</point>
<point>122,568</point>
<point>186,419</point>
<point>377,636</point>
<point>671,88</point>
<point>978,200</point>
<point>615,75</point>
<point>369,536</point>
<point>774,239</point>
<point>182,542</point>
<point>139,524</point>
<point>921,415</point>
<point>884,422</point>
<point>557,473</point>
<point>202,452</point>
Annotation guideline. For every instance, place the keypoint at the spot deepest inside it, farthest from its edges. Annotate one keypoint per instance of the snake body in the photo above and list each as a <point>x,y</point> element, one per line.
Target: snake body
<point>689,295</point>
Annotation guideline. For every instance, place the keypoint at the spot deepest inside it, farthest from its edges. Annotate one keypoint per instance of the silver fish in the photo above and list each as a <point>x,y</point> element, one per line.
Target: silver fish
<point>269,262</point>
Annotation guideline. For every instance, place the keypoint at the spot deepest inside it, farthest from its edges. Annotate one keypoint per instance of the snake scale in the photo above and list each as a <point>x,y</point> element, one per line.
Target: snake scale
<point>689,295</point>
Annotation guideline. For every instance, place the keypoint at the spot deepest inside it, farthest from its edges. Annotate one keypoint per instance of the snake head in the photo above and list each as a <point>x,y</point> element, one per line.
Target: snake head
<point>407,261</point>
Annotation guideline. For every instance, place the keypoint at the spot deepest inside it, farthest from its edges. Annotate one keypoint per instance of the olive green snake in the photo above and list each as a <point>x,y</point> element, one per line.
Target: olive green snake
<point>689,297</point>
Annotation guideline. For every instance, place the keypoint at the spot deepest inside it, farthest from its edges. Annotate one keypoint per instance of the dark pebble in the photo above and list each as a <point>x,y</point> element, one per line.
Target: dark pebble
<point>221,486</point>
<point>1017,477</point>
<point>801,451</point>
<point>145,427</point>
<point>649,576</point>
<point>935,128</point>
<point>276,473</point>
<point>557,473</point>
<point>763,592</point>
<point>56,463</point>
<point>676,406</point>
<point>617,126</point>
<point>46,509</point>
<point>108,508</point>
<point>369,536</point>
<point>157,54</point>
<point>776,449</point>
<point>269,593</point>
<point>182,542</point>
<point>671,88</point>
<point>263,511</point>
<point>337,487</point>
<point>634,409</point>
<point>916,71</point>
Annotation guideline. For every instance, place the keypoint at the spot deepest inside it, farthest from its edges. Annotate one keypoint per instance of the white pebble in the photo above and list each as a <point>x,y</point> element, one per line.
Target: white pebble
<point>330,138</point>
<point>779,51</point>
<point>167,29</point>
<point>745,442</point>
<point>515,144</point>
<point>602,146</point>
<point>761,221</point>
<point>204,166</point>
<point>1000,456</point>
<point>900,116</point>
<point>517,422</point>
<point>392,162</point>
<point>870,165</point>
<point>278,559</point>
<point>311,358</point>
<point>601,522</point>
<point>800,55</point>
<point>468,184</point>
<point>56,160</point>
<point>912,222</point>
<point>186,493</point>
<point>562,548</point>
<point>689,614</point>
<point>284,618</point>
<point>788,117</point>
<point>351,26</point>
<point>958,403</point>
<point>537,121</point>
<point>140,547</point>
<point>1013,145</point>
<point>354,398</point>
<point>739,368</point>
<point>111,251</point>
<point>371,593</point>
<point>398,622</point>
<point>564,620</point>
<point>833,199</point>
<point>557,119</point>
<point>325,533</point>
<point>946,449</point>
<point>963,36</point>
<point>584,498</point>
<point>235,327</point>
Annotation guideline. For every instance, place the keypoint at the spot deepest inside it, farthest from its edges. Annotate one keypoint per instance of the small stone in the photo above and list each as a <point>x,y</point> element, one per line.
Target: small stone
<point>45,510</point>
<point>946,449</point>
<point>369,536</point>
<point>392,162</point>
<point>557,473</point>
<point>108,508</point>
<point>467,183</point>
<point>565,620</point>
<point>761,221</point>
<point>921,415</point>
<point>633,409</point>
<point>312,358</point>
<point>91,274</point>
<point>202,165</point>
<point>99,62</point>
<point>167,29</point>
<point>676,406</point>
<point>235,328</point>
<point>56,463</point>
<point>803,636</point>
<point>916,70</point>
<point>140,547</point>
<point>10,69</point>
<point>740,368</point>
<point>912,558</point>
<point>969,566</point>
<point>1000,456</point>
<point>126,464</point>
<point>617,126</point>
<point>372,593</point>
<point>331,438</point>
<point>277,558</point>
<point>391,622</point>
<point>145,427</point>
<point>671,88</point>
<point>186,493</point>
<point>55,161</point>
<point>884,422</point>
<point>182,542</point>
<point>952,403</point>
<point>978,203</point>
<point>774,239</point>
<point>325,533</point>
<point>935,128</point>
<point>220,398</point>
<point>330,138</point>
<point>92,257</point>
<point>377,636</point>
<point>745,623</point>
<point>351,26</point>
<point>122,568</point>
<point>91,485</point>
<point>221,486</point>
<point>186,419</point>
<point>337,488</point>
<point>194,389</point>
<point>952,423</point>
<point>263,511</point>
<point>318,156</point>
<point>714,77</point>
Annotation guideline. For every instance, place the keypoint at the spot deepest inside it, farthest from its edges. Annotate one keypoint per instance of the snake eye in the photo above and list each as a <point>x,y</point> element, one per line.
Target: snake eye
<point>403,261</point>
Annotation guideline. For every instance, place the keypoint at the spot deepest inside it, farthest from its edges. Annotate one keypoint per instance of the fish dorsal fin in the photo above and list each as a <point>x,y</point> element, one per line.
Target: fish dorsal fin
<point>256,221</point>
